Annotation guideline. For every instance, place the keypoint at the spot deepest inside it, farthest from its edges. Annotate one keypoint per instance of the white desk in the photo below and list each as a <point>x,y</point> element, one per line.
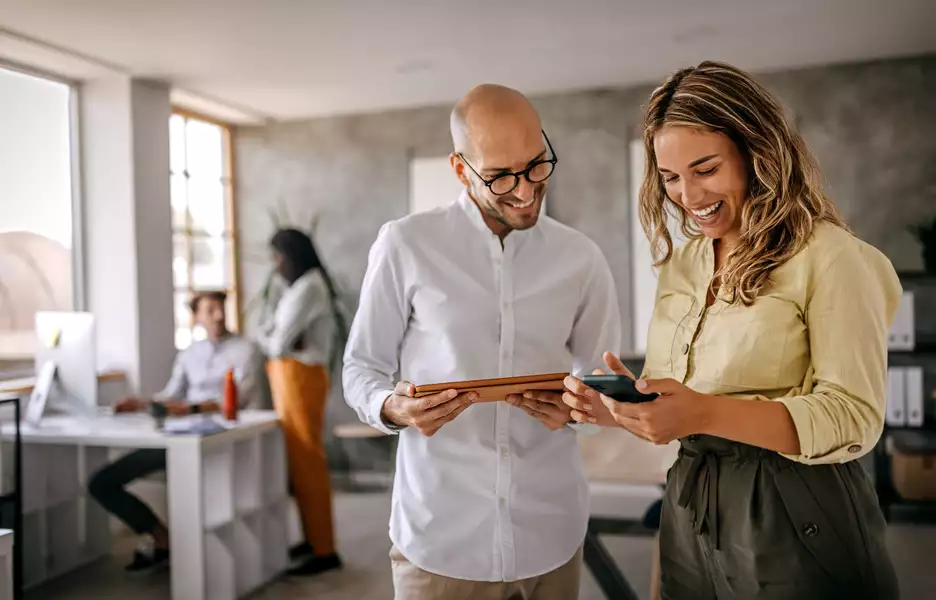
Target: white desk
<point>227,492</point>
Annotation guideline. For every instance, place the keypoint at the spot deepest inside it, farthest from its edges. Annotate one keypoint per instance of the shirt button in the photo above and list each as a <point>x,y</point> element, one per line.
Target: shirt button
<point>854,449</point>
<point>685,348</point>
<point>503,452</point>
<point>810,529</point>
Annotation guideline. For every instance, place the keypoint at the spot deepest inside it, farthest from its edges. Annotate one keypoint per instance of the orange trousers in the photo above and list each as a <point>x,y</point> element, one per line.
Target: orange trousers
<point>299,395</point>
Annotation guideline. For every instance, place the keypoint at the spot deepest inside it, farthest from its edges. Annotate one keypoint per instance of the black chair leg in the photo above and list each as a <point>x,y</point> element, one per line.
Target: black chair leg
<point>602,566</point>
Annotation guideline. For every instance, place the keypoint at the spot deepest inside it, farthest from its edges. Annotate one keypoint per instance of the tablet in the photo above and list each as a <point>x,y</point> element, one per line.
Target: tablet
<point>493,390</point>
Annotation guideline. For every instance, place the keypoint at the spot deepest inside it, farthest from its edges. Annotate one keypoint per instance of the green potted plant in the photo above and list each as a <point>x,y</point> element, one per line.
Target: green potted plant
<point>925,233</point>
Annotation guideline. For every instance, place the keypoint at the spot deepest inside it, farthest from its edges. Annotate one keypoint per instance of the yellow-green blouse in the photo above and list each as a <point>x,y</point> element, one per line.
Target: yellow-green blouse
<point>815,339</point>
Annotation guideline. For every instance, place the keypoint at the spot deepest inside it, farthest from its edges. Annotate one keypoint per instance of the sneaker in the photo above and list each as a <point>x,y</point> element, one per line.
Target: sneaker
<point>147,557</point>
<point>300,550</point>
<point>316,565</point>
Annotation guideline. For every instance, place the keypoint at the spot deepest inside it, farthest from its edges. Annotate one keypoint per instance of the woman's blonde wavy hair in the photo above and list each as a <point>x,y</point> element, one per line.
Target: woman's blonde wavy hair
<point>785,198</point>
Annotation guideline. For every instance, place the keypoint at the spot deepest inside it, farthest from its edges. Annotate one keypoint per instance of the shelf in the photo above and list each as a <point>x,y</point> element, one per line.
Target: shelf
<point>34,548</point>
<point>248,554</point>
<point>35,479</point>
<point>220,566</point>
<point>925,346</point>
<point>218,487</point>
<point>63,538</point>
<point>62,481</point>
<point>921,276</point>
<point>248,484</point>
<point>273,453</point>
<point>275,541</point>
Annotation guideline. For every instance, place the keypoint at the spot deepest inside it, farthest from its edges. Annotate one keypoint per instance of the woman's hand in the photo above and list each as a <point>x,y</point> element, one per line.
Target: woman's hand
<point>587,404</point>
<point>677,412</point>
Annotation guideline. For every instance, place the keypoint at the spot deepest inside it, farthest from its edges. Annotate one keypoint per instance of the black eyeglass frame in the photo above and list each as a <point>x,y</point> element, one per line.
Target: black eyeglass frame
<point>517,175</point>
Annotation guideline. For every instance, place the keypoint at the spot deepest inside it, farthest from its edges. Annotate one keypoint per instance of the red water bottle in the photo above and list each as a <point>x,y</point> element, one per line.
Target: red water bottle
<point>230,396</point>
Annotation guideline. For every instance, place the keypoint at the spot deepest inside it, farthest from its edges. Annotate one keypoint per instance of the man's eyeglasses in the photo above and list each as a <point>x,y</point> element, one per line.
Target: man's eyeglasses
<point>505,183</point>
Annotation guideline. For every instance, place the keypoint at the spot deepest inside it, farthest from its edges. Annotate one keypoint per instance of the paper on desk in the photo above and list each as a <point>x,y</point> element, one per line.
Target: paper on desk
<point>198,425</point>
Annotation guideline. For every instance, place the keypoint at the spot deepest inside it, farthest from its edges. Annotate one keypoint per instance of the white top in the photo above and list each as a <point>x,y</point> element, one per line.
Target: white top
<point>199,371</point>
<point>302,314</point>
<point>494,495</point>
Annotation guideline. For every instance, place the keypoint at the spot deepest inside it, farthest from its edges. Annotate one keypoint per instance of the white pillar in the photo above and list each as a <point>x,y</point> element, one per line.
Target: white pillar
<point>127,226</point>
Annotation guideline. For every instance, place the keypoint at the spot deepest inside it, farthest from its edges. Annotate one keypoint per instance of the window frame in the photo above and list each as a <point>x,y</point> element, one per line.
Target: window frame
<point>228,174</point>
<point>78,251</point>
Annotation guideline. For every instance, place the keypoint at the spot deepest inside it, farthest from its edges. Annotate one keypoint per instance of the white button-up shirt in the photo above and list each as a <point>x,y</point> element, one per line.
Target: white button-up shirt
<point>304,314</point>
<point>494,495</point>
<point>199,371</point>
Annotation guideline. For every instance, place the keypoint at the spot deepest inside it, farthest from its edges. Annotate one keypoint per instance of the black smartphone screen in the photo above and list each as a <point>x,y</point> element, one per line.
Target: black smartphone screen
<point>619,387</point>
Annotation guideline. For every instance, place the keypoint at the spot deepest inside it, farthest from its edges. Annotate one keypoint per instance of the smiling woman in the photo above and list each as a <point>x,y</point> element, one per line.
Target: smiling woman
<point>767,349</point>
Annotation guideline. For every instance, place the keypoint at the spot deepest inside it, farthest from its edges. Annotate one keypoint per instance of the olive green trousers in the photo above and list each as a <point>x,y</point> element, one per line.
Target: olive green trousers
<point>743,523</point>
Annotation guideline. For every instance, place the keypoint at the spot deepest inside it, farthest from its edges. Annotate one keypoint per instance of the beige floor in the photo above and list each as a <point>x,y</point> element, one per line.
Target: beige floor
<point>362,526</point>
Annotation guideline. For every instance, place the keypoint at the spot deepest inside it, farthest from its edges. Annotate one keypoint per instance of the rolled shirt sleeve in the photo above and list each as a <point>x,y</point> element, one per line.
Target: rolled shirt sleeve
<point>848,317</point>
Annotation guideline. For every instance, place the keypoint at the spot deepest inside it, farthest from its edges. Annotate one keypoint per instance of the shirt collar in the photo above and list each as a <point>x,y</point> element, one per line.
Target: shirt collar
<point>474,213</point>
<point>477,220</point>
<point>221,340</point>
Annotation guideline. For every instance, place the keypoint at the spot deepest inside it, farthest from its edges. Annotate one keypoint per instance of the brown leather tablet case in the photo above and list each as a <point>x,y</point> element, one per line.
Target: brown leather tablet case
<point>492,390</point>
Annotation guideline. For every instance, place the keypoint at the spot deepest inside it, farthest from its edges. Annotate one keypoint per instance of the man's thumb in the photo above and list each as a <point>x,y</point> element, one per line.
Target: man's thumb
<point>404,388</point>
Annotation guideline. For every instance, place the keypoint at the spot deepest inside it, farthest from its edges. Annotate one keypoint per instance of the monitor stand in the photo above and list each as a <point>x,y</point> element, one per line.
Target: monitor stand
<point>48,393</point>
<point>40,394</point>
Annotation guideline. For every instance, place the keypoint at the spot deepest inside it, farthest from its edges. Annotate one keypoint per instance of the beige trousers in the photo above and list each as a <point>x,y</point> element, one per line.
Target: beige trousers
<point>412,583</point>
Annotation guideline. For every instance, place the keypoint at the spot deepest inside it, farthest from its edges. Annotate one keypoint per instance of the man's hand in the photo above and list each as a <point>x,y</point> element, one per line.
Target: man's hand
<point>131,404</point>
<point>177,408</point>
<point>427,414</point>
<point>546,407</point>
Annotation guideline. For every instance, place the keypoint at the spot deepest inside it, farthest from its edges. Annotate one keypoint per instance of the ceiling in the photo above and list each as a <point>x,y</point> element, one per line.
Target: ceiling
<point>282,59</point>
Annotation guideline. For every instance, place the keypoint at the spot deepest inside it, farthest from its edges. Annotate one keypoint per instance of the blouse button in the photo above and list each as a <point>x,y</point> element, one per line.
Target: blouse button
<point>854,449</point>
<point>685,348</point>
<point>810,530</point>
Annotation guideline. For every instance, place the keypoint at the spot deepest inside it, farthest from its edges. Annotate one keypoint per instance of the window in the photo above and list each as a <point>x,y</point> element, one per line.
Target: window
<point>36,230</point>
<point>433,184</point>
<point>203,238</point>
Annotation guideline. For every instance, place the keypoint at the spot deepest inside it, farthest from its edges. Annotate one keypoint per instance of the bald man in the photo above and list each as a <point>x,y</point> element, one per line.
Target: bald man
<point>490,499</point>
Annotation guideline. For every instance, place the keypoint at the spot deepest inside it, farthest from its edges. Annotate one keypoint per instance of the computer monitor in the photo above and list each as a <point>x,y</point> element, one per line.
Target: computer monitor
<point>66,364</point>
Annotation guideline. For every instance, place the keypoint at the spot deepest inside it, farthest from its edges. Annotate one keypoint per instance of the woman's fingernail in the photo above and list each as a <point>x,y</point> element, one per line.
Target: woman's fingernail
<point>592,420</point>
<point>591,393</point>
<point>587,406</point>
<point>641,384</point>
<point>528,395</point>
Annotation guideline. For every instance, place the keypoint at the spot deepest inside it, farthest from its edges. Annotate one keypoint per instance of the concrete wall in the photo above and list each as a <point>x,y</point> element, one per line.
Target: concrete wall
<point>870,124</point>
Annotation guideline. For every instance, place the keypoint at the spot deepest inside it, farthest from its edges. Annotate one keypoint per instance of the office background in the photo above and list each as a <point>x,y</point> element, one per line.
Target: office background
<point>147,151</point>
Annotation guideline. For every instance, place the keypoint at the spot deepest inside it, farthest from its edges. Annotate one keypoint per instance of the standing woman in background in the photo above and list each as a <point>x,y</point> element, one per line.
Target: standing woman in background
<point>768,347</point>
<point>300,344</point>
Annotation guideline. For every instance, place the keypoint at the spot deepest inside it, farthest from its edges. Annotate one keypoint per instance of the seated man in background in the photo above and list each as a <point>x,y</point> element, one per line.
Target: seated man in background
<point>195,386</point>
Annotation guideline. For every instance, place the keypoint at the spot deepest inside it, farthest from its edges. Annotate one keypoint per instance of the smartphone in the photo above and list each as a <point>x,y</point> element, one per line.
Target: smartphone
<point>619,387</point>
